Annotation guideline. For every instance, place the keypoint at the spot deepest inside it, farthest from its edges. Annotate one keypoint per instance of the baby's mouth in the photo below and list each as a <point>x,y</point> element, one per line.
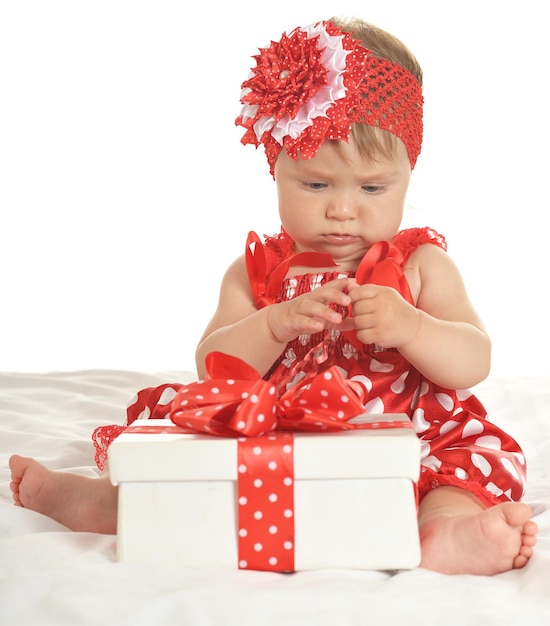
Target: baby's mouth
<point>340,240</point>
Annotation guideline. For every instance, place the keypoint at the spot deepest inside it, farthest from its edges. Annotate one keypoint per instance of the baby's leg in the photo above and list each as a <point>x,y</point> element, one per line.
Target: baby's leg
<point>78,502</point>
<point>460,536</point>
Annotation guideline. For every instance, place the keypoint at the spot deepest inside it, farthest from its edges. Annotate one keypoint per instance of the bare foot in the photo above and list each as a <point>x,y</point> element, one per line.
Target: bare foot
<point>485,542</point>
<point>78,502</point>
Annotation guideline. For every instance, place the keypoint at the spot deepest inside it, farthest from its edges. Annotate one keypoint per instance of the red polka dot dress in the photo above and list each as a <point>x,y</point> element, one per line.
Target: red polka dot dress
<point>460,447</point>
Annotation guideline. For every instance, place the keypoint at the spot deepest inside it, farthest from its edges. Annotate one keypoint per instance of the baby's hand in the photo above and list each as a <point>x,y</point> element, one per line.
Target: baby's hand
<point>382,316</point>
<point>309,313</point>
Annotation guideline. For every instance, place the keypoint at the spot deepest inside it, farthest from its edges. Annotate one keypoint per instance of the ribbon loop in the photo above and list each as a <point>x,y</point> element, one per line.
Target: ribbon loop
<point>264,288</point>
<point>382,265</point>
<point>245,404</point>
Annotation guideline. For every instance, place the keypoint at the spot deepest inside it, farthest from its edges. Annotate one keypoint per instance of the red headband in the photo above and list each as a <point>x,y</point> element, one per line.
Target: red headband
<point>315,83</point>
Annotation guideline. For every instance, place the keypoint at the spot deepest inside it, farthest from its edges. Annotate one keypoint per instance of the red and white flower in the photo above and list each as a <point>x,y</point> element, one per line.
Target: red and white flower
<point>295,81</point>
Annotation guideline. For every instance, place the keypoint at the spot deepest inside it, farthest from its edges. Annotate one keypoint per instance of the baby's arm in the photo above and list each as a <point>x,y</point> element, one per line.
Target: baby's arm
<point>258,336</point>
<point>443,337</point>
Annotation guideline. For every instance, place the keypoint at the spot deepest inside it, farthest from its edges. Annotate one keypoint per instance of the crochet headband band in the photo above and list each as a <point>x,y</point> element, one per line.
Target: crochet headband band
<point>315,83</point>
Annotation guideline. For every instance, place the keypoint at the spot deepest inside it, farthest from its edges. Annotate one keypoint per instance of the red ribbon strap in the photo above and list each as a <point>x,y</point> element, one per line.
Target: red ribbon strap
<point>264,288</point>
<point>266,503</point>
<point>383,265</point>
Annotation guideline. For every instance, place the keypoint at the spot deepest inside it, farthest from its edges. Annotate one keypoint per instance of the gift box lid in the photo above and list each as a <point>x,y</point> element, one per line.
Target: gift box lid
<point>158,450</point>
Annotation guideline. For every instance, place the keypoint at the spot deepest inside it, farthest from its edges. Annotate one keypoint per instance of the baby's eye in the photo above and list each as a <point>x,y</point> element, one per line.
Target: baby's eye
<point>371,188</point>
<point>316,186</point>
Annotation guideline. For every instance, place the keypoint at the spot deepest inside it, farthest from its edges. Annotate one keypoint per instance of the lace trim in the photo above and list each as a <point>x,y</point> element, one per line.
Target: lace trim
<point>277,248</point>
<point>280,246</point>
<point>432,480</point>
<point>102,438</point>
<point>408,240</point>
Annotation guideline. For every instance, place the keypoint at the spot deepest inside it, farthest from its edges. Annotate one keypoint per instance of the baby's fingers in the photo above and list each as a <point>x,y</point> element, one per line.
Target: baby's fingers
<point>319,311</point>
<point>334,292</point>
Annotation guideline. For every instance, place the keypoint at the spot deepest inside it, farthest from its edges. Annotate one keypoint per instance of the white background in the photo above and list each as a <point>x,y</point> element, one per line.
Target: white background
<point>125,191</point>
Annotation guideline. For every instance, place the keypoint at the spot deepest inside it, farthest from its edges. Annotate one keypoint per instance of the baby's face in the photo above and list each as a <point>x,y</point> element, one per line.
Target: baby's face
<point>340,202</point>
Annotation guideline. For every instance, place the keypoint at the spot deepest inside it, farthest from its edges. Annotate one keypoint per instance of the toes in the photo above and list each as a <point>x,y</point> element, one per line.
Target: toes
<point>14,487</point>
<point>526,551</point>
<point>520,561</point>
<point>528,540</point>
<point>517,513</point>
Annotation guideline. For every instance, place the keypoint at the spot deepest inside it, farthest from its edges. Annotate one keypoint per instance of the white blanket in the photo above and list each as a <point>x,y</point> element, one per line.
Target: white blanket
<point>49,575</point>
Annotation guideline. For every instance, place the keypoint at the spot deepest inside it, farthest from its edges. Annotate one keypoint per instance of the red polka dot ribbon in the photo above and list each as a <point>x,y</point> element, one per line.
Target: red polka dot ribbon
<point>234,400</point>
<point>266,503</point>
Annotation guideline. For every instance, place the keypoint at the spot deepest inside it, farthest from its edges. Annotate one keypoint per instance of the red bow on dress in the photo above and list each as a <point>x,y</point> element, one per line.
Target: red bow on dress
<point>383,265</point>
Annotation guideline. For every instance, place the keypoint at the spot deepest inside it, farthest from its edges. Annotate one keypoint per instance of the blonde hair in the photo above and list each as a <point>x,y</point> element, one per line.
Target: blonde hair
<point>373,142</point>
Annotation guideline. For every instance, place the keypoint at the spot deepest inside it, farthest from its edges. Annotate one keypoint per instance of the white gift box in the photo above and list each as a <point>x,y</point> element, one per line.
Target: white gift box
<point>354,497</point>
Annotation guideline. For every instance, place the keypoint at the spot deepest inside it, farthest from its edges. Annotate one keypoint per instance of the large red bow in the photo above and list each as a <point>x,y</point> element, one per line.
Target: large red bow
<point>234,400</point>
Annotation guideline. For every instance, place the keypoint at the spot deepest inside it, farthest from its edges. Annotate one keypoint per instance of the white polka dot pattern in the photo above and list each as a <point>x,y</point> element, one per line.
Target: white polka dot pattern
<point>266,503</point>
